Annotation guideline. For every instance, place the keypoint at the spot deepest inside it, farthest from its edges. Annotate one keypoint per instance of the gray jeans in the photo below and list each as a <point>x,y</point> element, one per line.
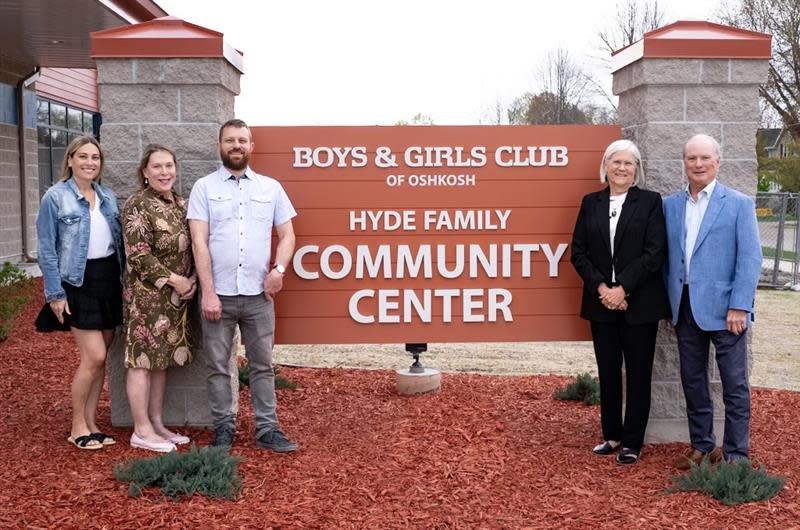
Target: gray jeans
<point>255,316</point>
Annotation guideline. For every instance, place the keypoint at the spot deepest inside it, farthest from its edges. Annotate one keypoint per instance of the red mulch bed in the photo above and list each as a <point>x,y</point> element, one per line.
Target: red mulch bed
<point>485,452</point>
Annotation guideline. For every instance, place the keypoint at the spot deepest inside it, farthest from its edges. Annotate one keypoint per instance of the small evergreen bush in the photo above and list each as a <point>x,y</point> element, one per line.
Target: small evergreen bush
<point>209,471</point>
<point>280,382</point>
<point>244,376</point>
<point>15,291</point>
<point>730,483</point>
<point>584,388</point>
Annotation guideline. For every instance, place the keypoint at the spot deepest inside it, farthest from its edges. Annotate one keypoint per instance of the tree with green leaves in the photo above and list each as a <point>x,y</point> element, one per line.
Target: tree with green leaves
<point>784,171</point>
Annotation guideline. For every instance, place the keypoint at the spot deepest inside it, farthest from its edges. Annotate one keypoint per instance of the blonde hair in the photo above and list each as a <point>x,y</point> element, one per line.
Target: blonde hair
<point>72,148</point>
<point>148,152</point>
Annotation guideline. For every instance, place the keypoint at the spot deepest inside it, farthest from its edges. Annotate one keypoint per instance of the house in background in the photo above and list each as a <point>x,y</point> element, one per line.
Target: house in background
<point>774,143</point>
<point>777,142</point>
<point>48,95</point>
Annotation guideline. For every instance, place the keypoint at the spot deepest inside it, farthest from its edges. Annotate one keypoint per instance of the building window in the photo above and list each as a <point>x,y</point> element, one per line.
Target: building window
<point>58,125</point>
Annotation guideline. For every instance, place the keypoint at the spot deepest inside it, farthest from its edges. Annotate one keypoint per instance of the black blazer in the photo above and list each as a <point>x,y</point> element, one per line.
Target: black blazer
<point>640,248</point>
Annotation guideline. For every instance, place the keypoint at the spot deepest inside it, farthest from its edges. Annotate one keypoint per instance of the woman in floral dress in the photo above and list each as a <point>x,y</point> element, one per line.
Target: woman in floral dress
<point>157,285</point>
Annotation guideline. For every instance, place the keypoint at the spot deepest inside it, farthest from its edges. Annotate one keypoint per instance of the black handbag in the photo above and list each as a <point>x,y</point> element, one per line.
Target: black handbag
<point>46,321</point>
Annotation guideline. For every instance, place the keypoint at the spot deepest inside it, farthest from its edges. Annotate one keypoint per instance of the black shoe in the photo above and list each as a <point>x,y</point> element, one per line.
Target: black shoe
<point>223,437</point>
<point>275,440</point>
<point>627,456</point>
<point>606,448</point>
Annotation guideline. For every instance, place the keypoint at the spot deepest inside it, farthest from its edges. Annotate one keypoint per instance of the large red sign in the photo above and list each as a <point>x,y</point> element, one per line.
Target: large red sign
<point>432,234</point>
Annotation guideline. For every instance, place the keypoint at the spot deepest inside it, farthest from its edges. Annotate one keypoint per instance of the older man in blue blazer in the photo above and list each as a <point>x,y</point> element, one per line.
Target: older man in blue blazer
<point>712,270</point>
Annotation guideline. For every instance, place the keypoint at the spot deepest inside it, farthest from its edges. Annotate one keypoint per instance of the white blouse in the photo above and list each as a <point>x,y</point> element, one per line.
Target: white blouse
<point>615,203</point>
<point>101,243</point>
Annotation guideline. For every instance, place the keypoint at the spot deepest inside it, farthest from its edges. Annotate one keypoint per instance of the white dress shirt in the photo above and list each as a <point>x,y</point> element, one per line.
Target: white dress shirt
<point>695,211</point>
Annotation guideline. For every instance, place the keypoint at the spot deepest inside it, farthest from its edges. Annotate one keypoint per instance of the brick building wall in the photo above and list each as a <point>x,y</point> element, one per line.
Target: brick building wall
<point>11,247</point>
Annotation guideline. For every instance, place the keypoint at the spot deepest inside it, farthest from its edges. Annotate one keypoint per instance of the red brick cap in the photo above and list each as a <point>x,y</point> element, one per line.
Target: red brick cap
<point>696,39</point>
<point>165,37</point>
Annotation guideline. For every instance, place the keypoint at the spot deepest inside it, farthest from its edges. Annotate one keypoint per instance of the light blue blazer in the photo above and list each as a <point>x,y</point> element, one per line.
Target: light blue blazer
<point>726,261</point>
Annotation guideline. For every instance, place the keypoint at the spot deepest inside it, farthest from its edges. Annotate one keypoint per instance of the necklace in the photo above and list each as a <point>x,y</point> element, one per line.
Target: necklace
<point>614,205</point>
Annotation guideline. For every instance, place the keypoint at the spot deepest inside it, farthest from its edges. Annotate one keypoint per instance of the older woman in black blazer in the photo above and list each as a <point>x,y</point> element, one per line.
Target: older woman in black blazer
<point>618,248</point>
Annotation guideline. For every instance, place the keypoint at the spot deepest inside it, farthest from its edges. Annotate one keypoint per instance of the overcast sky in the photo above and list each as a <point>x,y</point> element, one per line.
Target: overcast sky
<point>351,62</point>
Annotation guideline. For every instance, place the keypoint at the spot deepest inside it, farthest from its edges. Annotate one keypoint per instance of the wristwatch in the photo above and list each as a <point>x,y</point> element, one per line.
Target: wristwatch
<point>280,268</point>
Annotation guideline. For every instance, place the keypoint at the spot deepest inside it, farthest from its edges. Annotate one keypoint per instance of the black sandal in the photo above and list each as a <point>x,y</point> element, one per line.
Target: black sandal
<point>605,448</point>
<point>627,456</point>
<point>85,442</point>
<point>103,438</point>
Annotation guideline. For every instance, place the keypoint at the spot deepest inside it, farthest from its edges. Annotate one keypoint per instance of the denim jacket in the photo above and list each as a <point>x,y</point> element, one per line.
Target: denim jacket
<point>63,232</point>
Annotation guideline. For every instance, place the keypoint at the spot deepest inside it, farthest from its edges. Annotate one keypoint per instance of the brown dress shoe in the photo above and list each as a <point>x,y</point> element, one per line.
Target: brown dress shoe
<point>684,462</point>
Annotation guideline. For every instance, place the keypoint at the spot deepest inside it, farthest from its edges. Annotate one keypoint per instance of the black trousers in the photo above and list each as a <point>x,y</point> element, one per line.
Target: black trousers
<point>635,344</point>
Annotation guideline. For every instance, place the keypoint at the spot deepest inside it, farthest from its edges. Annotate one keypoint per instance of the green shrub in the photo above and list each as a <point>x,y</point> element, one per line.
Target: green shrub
<point>209,471</point>
<point>244,376</point>
<point>15,291</point>
<point>280,382</point>
<point>730,483</point>
<point>584,388</point>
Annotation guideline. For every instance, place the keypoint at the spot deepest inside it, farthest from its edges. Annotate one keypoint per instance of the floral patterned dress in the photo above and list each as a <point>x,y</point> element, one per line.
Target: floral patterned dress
<point>157,243</point>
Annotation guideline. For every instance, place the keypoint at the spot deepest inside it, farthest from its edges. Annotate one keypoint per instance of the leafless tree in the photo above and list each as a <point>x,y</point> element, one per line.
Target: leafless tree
<point>562,77</point>
<point>418,119</point>
<point>634,19</point>
<point>494,114</point>
<point>781,19</point>
<point>562,88</point>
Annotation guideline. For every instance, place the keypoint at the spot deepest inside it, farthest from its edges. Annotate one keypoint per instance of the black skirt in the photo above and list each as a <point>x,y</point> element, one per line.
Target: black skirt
<point>96,305</point>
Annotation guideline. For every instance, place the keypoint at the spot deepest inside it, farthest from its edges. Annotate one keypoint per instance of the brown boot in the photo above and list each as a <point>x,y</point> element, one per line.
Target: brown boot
<point>684,462</point>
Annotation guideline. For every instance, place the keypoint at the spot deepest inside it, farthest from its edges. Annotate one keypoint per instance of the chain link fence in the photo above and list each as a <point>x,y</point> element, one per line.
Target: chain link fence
<point>780,239</point>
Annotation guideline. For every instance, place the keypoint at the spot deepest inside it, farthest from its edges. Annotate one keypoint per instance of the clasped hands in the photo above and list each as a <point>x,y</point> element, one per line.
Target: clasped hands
<point>613,297</point>
<point>183,286</point>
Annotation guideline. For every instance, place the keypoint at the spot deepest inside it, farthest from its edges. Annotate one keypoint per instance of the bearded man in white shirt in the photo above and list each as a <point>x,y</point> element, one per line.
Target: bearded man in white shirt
<point>231,215</point>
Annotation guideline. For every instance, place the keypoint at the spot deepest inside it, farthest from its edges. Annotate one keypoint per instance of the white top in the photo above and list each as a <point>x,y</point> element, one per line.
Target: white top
<point>615,203</point>
<point>240,216</point>
<point>695,211</point>
<point>101,242</point>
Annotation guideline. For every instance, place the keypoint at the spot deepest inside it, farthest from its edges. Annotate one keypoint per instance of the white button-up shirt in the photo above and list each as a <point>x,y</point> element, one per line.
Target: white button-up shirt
<point>695,211</point>
<point>240,216</point>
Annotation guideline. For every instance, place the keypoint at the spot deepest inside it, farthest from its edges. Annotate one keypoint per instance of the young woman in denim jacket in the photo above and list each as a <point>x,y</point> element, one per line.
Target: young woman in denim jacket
<point>81,256</point>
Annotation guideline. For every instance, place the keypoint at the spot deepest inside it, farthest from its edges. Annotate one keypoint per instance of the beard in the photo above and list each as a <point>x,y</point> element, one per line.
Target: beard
<point>230,164</point>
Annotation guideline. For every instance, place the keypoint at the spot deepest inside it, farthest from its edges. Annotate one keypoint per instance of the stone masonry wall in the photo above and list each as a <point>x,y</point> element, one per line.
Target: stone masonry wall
<point>663,102</point>
<point>180,103</point>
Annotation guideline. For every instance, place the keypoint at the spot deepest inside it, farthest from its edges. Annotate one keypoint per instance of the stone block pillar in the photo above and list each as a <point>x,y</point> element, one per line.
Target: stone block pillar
<point>678,81</point>
<point>169,82</point>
